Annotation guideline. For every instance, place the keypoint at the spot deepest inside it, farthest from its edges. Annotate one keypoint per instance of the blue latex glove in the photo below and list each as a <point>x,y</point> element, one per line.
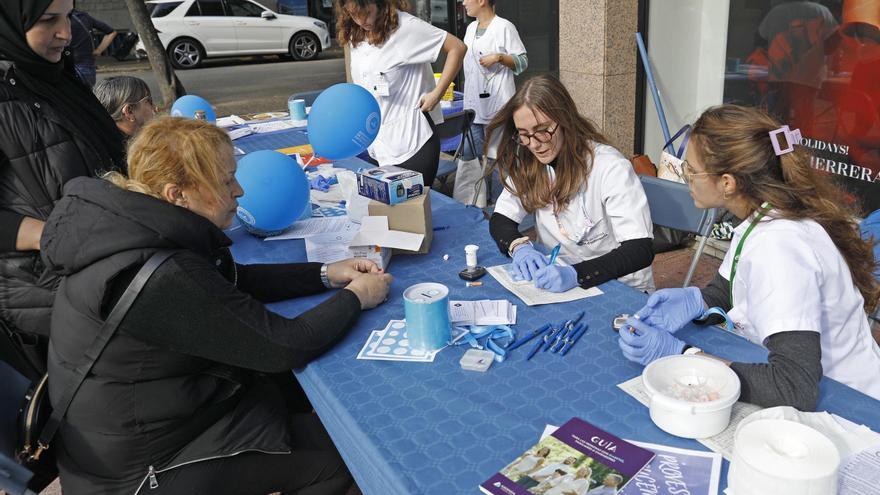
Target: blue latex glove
<point>672,309</point>
<point>320,183</point>
<point>647,343</point>
<point>528,261</point>
<point>556,278</point>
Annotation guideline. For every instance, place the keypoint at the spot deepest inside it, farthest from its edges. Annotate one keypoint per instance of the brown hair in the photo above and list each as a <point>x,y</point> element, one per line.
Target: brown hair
<point>347,31</point>
<point>575,160</point>
<point>171,150</point>
<point>735,140</point>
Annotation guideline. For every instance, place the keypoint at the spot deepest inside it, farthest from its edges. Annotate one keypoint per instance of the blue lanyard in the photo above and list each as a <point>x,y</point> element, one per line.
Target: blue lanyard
<point>491,333</point>
<point>686,130</point>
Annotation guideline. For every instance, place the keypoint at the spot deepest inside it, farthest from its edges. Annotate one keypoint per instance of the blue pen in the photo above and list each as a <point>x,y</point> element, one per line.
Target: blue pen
<point>567,327</point>
<point>529,337</point>
<point>577,337</point>
<point>556,335</point>
<point>440,228</point>
<point>543,340</point>
<point>554,254</point>
<point>567,342</point>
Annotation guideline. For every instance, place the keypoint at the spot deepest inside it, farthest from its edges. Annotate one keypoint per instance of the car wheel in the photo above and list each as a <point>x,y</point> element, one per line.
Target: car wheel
<point>186,53</point>
<point>304,46</point>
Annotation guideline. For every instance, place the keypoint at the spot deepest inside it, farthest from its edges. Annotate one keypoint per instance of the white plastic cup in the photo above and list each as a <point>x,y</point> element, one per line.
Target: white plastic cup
<point>297,108</point>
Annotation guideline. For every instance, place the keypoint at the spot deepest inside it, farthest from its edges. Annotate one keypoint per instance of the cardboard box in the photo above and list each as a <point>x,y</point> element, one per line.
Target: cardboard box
<point>390,185</point>
<point>412,216</point>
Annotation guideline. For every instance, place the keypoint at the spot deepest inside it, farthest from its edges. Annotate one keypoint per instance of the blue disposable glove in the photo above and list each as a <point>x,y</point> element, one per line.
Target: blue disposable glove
<point>556,278</point>
<point>647,342</point>
<point>528,261</point>
<point>672,309</point>
<point>320,183</point>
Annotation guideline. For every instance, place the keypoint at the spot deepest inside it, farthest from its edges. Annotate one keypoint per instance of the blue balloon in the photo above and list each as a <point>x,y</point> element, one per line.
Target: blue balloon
<point>276,192</point>
<point>344,120</point>
<point>187,106</point>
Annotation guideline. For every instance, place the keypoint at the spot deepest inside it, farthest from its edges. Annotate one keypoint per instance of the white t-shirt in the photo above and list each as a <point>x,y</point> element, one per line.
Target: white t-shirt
<point>397,73</point>
<point>526,464</point>
<point>500,37</point>
<point>611,209</point>
<point>790,276</point>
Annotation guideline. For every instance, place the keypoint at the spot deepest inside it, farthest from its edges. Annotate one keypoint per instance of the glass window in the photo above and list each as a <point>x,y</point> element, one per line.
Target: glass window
<point>163,9</point>
<point>243,8</point>
<point>206,8</point>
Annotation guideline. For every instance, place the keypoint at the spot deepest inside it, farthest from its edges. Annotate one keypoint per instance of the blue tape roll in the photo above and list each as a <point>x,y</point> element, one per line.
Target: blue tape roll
<point>426,307</point>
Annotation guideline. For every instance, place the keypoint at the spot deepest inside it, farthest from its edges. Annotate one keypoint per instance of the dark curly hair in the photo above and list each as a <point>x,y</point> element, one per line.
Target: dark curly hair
<point>348,31</point>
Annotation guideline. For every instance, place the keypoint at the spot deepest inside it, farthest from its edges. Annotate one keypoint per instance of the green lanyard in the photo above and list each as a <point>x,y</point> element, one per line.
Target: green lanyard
<point>764,208</point>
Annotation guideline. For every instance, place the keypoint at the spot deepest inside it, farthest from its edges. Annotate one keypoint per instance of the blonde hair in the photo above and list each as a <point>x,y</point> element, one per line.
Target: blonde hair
<point>735,140</point>
<point>171,150</point>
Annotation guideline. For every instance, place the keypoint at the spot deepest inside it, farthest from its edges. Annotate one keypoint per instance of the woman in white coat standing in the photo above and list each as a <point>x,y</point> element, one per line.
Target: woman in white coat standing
<point>391,56</point>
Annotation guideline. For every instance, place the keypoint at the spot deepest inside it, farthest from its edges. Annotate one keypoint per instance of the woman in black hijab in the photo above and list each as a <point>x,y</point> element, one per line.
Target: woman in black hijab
<point>52,129</point>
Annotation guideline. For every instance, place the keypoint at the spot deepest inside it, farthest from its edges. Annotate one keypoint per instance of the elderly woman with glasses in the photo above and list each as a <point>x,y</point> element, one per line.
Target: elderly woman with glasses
<point>584,194</point>
<point>128,101</point>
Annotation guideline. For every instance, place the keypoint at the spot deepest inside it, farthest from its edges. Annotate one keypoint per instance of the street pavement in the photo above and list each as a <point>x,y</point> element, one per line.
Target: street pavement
<point>242,85</point>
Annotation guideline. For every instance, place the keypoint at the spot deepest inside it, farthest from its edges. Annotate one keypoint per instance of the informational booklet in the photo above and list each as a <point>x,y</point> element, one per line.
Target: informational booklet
<point>482,312</point>
<point>578,458</point>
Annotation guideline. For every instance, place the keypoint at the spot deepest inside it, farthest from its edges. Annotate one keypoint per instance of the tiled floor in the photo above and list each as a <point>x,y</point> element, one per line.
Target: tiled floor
<point>670,269</point>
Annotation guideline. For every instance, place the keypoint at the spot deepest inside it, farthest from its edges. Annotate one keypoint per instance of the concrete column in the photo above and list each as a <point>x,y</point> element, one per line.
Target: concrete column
<point>597,63</point>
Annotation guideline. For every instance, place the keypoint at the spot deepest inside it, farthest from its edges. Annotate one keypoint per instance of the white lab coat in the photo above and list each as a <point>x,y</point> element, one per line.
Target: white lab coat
<point>500,36</point>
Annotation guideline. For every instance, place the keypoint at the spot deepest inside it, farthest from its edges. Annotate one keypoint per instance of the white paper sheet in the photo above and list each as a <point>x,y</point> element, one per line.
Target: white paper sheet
<point>319,225</point>
<point>482,312</point>
<point>328,248</point>
<point>533,296</point>
<point>229,121</point>
<point>859,474</point>
<point>275,125</point>
<point>374,232</point>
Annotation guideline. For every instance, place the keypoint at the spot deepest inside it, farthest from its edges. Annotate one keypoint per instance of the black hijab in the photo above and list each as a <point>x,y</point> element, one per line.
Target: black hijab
<point>57,84</point>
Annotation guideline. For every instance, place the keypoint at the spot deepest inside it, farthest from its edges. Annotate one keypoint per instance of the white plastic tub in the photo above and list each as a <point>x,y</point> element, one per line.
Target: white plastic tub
<point>691,396</point>
<point>783,458</point>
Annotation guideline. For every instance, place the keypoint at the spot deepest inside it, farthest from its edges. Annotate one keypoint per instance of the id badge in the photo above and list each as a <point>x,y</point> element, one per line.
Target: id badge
<point>381,89</point>
<point>670,168</point>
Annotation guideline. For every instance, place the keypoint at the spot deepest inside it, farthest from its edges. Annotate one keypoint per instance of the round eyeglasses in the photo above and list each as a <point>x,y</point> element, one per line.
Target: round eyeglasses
<point>688,174</point>
<point>542,136</point>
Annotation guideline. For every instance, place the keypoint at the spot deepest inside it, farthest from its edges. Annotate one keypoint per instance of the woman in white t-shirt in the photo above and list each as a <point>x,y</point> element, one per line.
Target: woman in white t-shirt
<point>585,195</point>
<point>391,56</point>
<point>797,278</point>
<point>495,55</point>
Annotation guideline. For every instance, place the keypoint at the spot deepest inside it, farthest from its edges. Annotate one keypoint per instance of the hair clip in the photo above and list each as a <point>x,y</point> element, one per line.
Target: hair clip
<point>791,137</point>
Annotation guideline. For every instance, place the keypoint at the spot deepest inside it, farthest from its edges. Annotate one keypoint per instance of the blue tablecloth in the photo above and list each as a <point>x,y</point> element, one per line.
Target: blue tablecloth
<point>406,428</point>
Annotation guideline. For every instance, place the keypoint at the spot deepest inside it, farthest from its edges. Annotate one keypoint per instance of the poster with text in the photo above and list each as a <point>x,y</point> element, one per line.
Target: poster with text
<point>816,67</point>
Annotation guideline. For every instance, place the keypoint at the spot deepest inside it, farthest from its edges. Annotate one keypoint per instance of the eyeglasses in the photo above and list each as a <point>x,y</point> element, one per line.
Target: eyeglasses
<point>542,136</point>
<point>148,99</point>
<point>687,172</point>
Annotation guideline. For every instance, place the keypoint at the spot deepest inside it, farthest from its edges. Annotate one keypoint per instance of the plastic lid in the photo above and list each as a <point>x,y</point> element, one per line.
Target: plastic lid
<point>425,293</point>
<point>785,450</point>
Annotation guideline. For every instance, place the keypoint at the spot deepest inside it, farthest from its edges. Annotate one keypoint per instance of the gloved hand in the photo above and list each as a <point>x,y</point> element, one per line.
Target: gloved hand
<point>671,309</point>
<point>528,261</point>
<point>319,183</point>
<point>556,278</point>
<point>647,343</point>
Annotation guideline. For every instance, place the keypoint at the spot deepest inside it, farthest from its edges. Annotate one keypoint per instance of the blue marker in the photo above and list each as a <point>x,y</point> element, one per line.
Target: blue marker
<point>554,254</point>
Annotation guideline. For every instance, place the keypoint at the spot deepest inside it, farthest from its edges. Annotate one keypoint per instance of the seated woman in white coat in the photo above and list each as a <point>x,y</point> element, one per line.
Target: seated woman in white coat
<point>584,194</point>
<point>797,279</point>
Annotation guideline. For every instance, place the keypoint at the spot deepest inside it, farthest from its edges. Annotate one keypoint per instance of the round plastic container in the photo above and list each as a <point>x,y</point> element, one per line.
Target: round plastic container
<point>783,458</point>
<point>426,307</point>
<point>691,396</point>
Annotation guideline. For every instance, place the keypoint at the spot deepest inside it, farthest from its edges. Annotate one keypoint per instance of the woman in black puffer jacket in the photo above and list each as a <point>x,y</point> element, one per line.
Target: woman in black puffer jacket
<point>52,129</point>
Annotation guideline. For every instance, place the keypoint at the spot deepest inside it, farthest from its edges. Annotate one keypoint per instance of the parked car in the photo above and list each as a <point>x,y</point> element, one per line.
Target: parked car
<point>193,30</point>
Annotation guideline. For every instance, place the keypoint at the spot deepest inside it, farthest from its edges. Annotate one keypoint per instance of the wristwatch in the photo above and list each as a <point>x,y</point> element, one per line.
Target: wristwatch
<point>691,350</point>
<point>325,279</point>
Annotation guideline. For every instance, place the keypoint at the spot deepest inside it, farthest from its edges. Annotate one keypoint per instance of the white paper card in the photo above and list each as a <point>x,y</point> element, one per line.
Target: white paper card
<point>317,225</point>
<point>374,232</point>
<point>534,296</point>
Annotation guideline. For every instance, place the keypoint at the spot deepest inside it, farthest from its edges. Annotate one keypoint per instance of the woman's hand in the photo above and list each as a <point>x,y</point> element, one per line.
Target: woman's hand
<point>343,272</point>
<point>371,289</point>
<point>490,60</point>
<point>428,101</point>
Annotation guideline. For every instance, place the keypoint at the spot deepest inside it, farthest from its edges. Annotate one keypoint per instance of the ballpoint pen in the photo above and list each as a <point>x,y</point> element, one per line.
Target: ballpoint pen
<point>577,337</point>
<point>554,254</point>
<point>567,327</point>
<point>529,337</point>
<point>567,343</point>
<point>543,340</point>
<point>562,339</point>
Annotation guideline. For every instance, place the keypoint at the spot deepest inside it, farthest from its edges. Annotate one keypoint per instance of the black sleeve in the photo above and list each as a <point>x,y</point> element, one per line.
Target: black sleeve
<point>717,293</point>
<point>791,376</point>
<point>9,224</point>
<point>629,257</point>
<point>277,282</point>
<point>188,307</point>
<point>504,231</point>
